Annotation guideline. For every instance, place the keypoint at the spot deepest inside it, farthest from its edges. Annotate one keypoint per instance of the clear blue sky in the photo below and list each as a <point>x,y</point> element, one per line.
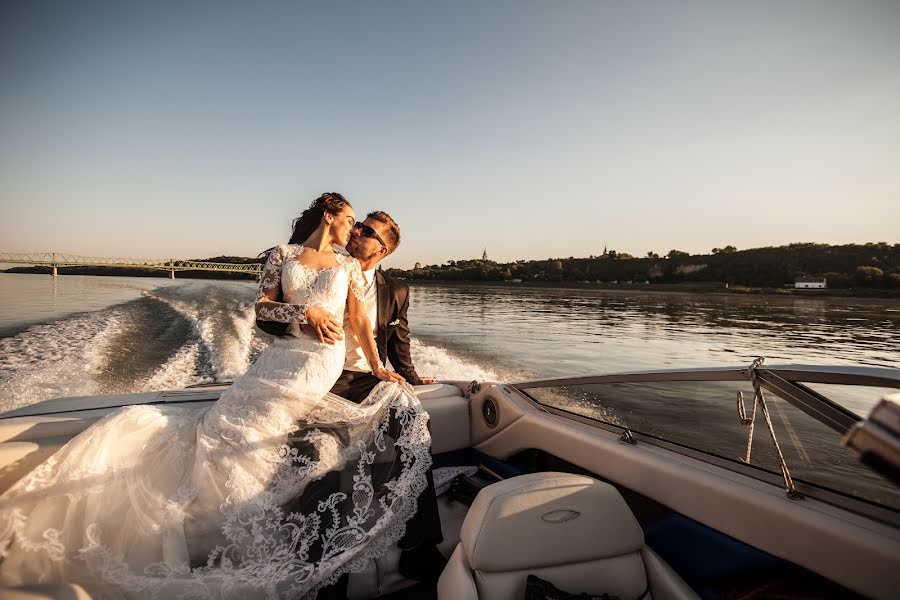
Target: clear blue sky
<point>535,129</point>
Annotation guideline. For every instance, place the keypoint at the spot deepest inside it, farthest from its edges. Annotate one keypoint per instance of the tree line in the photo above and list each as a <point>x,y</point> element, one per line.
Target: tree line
<point>872,265</point>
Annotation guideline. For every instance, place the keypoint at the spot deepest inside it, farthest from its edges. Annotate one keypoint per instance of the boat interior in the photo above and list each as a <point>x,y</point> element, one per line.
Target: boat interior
<point>614,484</point>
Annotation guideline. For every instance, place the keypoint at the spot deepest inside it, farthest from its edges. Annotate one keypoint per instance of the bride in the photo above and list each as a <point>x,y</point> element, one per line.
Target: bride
<point>274,491</point>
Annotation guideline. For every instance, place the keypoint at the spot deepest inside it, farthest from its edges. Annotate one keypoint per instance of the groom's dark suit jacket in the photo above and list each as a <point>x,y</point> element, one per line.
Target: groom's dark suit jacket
<point>392,329</point>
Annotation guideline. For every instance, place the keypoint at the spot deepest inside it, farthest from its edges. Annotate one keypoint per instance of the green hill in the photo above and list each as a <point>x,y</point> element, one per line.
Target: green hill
<point>873,265</point>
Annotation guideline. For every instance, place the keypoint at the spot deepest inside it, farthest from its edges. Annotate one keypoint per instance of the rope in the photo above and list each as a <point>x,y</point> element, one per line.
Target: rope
<point>759,398</point>
<point>745,422</point>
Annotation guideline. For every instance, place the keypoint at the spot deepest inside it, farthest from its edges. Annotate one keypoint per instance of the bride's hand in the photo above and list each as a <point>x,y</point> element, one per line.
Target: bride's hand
<point>385,375</point>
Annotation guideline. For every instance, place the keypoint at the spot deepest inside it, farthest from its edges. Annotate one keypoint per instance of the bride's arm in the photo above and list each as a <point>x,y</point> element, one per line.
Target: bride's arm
<point>362,329</point>
<point>268,307</point>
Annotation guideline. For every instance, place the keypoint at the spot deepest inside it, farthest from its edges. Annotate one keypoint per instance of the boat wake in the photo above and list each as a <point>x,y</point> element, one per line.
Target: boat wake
<point>53,359</point>
<point>170,338</point>
<point>437,362</point>
<point>223,321</point>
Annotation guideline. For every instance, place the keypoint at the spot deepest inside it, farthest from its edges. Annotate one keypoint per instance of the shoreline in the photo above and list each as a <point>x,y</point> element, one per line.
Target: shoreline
<point>712,289</point>
<point>716,289</point>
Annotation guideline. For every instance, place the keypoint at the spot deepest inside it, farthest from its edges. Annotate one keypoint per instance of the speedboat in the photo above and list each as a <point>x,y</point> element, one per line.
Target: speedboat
<point>688,483</point>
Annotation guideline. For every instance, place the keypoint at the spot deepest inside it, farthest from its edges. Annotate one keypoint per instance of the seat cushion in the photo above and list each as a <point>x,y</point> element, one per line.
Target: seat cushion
<point>456,581</point>
<point>449,414</point>
<point>546,519</point>
<point>436,390</point>
<point>620,576</point>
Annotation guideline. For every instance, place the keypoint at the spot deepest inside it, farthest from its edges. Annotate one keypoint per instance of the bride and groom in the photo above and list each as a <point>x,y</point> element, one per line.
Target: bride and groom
<point>279,488</point>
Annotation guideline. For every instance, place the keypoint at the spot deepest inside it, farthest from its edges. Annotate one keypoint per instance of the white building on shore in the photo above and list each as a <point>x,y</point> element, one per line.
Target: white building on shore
<point>811,283</point>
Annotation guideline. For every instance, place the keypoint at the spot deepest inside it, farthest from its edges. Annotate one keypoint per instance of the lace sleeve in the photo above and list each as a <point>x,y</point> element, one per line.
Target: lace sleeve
<point>357,281</point>
<point>269,299</point>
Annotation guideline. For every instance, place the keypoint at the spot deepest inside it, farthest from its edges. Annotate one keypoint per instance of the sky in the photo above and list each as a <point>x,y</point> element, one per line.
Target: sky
<point>531,129</point>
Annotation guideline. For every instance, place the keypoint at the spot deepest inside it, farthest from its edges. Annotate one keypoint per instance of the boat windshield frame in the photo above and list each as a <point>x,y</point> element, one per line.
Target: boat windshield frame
<point>785,381</point>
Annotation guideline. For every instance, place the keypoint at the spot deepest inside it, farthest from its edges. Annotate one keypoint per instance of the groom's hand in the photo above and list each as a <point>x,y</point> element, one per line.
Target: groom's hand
<point>322,325</point>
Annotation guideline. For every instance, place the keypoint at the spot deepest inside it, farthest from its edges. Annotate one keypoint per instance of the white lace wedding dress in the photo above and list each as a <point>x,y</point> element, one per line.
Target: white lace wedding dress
<point>275,490</point>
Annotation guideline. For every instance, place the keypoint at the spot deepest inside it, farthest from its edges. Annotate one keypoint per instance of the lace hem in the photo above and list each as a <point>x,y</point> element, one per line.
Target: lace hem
<point>421,461</point>
<point>268,551</point>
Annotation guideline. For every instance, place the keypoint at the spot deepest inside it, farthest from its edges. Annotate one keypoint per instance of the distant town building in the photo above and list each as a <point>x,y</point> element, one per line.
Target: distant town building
<point>811,283</point>
<point>484,255</point>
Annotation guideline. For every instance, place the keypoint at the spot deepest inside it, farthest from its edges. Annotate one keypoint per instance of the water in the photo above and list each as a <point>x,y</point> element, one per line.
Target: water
<point>553,332</point>
<point>526,333</point>
<point>78,335</point>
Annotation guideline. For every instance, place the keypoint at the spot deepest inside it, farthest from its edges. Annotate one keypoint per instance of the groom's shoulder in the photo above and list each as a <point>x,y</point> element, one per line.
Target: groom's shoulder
<point>392,283</point>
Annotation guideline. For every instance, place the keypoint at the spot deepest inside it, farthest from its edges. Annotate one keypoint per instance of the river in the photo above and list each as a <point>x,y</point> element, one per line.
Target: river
<point>77,335</point>
<point>81,335</point>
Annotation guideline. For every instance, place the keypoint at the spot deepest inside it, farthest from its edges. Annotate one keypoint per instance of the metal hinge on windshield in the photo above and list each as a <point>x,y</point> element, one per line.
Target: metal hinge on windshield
<point>627,438</point>
<point>759,399</point>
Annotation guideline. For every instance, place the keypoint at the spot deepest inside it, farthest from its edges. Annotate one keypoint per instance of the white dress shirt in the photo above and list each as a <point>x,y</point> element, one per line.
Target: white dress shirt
<point>356,359</point>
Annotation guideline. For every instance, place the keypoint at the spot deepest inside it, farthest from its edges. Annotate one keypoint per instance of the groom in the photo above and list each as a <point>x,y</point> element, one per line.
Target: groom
<point>386,302</point>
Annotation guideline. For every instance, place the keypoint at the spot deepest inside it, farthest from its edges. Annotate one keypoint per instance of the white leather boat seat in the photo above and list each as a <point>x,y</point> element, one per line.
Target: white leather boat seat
<point>448,411</point>
<point>573,531</point>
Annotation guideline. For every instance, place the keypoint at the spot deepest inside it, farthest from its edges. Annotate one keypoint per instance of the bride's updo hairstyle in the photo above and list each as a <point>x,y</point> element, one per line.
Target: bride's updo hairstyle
<point>304,225</point>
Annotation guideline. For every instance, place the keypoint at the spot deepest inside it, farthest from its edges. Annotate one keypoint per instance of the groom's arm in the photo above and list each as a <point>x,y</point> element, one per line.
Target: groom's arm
<point>317,321</point>
<point>273,328</point>
<point>398,345</point>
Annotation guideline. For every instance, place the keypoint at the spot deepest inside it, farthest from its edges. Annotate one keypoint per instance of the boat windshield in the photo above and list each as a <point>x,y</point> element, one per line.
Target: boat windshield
<point>701,415</point>
<point>859,399</point>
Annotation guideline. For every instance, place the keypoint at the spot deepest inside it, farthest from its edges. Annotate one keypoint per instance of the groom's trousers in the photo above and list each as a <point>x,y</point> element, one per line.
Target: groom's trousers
<point>425,526</point>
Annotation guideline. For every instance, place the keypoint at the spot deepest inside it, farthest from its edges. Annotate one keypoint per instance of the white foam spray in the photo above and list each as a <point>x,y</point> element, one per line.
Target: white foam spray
<point>437,362</point>
<point>64,358</point>
<point>224,325</point>
<point>55,360</point>
<point>178,372</point>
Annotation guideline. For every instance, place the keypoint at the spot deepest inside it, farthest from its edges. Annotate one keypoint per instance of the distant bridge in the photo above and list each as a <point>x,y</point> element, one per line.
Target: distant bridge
<point>58,259</point>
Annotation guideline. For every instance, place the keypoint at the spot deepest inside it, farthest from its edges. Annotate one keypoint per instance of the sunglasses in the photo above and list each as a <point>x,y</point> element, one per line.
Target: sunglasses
<point>366,231</point>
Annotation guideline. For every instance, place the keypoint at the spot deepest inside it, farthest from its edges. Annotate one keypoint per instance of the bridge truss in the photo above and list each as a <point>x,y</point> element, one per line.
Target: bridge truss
<point>58,259</point>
